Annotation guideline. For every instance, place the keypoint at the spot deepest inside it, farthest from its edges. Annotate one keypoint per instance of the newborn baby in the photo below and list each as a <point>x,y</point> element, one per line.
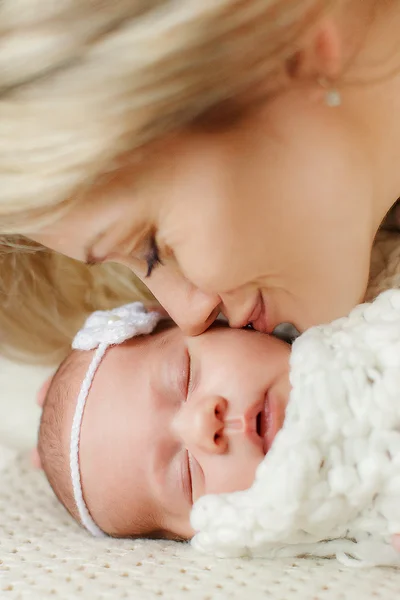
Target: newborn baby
<point>165,419</point>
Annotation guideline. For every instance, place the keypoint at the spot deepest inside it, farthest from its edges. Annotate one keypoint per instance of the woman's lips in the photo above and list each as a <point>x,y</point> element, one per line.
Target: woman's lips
<point>258,317</point>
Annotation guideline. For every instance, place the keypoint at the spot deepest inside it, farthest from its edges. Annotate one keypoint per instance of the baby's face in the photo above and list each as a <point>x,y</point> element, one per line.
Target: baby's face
<point>171,418</point>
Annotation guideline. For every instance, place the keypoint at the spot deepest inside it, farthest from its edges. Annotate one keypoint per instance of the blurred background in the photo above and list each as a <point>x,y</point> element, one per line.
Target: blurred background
<point>19,413</point>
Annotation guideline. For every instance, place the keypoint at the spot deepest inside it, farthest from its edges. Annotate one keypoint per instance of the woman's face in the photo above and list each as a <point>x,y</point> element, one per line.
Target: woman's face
<point>264,221</point>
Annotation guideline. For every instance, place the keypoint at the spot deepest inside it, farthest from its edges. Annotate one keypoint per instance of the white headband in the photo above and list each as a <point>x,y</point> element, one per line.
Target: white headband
<point>101,330</point>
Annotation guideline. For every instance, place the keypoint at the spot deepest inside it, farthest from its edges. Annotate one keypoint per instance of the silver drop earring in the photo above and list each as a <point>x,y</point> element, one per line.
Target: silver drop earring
<point>333,97</point>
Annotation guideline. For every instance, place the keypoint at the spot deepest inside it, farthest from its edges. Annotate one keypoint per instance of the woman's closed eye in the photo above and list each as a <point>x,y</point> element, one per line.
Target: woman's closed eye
<point>152,256</point>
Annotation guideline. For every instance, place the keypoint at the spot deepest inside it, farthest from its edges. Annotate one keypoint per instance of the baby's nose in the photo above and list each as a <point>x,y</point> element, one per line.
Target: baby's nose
<point>201,423</point>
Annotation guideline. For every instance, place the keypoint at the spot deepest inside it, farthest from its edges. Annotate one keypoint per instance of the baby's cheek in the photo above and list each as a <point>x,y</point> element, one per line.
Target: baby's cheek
<point>232,475</point>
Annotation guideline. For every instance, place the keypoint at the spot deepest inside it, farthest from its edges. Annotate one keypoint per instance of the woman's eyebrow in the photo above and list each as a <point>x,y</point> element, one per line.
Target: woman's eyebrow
<point>89,258</point>
<point>119,243</point>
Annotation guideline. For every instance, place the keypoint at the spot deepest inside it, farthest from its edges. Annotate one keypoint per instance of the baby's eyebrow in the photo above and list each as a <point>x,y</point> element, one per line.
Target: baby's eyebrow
<point>168,377</point>
<point>165,462</point>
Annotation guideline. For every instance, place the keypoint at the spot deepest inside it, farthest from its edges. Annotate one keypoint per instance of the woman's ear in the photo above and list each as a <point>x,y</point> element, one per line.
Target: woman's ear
<point>321,56</point>
<point>43,390</point>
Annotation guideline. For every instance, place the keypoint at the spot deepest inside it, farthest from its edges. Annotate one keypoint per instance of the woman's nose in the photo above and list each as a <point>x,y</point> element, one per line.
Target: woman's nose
<point>201,424</point>
<point>191,309</point>
<point>196,313</point>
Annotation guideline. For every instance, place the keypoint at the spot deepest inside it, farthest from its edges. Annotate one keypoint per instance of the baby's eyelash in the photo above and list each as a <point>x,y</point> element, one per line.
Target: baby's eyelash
<point>189,474</point>
<point>189,374</point>
<point>152,256</point>
<point>188,479</point>
<point>186,476</point>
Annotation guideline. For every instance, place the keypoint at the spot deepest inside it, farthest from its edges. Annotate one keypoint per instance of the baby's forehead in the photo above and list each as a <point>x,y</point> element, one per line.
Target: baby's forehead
<point>75,366</point>
<point>124,369</point>
<point>135,360</point>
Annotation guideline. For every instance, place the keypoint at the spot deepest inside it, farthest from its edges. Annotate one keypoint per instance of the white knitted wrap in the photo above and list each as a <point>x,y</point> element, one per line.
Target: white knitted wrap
<point>333,472</point>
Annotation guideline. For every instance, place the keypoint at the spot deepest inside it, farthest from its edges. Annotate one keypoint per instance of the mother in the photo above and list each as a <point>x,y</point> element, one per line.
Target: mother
<point>236,155</point>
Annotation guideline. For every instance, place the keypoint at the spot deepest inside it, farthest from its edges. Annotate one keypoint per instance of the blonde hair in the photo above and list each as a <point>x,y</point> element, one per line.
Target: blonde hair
<point>83,82</point>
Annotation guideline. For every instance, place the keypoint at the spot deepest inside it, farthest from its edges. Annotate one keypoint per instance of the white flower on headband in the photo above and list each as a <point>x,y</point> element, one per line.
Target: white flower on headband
<point>115,326</point>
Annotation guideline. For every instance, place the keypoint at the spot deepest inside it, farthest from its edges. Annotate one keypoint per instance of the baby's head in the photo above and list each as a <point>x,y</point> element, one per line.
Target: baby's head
<point>167,419</point>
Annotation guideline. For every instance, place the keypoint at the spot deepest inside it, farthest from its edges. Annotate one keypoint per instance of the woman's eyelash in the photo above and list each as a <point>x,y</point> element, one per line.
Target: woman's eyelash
<point>152,256</point>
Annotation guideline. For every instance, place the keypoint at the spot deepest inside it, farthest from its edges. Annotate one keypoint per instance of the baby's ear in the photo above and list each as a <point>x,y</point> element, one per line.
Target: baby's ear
<point>42,393</point>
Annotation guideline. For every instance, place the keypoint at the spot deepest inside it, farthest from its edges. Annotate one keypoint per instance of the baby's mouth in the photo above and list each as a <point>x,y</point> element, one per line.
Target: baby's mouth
<point>264,422</point>
<point>263,426</point>
<point>259,423</point>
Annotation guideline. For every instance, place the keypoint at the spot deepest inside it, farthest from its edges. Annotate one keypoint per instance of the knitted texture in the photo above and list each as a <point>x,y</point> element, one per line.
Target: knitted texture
<point>334,469</point>
<point>115,326</point>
